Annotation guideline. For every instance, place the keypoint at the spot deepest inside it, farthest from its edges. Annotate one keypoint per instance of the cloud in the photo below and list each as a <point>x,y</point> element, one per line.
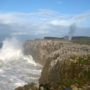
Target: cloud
<point>5,29</point>
<point>19,33</point>
<point>78,19</point>
<point>42,15</point>
<point>43,23</point>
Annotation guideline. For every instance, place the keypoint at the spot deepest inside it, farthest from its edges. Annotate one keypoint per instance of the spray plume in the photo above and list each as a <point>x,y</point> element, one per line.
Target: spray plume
<point>72,29</point>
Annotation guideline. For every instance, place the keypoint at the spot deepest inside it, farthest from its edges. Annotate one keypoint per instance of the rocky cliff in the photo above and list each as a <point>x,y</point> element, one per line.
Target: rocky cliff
<point>66,64</point>
<point>41,49</point>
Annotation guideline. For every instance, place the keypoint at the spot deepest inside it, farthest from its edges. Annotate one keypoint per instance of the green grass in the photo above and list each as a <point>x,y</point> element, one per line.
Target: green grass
<point>80,75</point>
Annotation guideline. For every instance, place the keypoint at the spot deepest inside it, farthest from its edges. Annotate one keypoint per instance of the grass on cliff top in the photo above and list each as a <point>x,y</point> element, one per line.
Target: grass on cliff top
<point>81,74</point>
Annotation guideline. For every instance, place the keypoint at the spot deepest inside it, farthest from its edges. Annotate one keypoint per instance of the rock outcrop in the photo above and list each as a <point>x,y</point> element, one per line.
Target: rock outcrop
<point>41,49</point>
<point>65,64</point>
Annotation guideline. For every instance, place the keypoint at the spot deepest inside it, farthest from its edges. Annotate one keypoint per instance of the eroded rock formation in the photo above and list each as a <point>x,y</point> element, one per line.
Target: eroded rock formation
<point>65,64</point>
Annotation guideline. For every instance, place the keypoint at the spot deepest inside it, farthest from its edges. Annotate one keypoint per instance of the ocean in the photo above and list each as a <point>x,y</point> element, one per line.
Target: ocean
<point>16,69</point>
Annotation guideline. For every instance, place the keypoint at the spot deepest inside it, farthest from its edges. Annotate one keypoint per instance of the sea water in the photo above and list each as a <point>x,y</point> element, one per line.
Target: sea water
<point>16,69</point>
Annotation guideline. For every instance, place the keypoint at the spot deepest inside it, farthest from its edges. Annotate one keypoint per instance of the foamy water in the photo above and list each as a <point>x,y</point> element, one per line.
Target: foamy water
<point>16,69</point>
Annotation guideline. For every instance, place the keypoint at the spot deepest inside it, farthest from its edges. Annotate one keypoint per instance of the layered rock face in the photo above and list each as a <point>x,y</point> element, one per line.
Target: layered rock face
<point>41,49</point>
<point>65,63</point>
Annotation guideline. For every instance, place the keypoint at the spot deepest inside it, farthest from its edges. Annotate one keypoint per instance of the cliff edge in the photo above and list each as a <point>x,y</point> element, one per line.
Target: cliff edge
<point>65,64</point>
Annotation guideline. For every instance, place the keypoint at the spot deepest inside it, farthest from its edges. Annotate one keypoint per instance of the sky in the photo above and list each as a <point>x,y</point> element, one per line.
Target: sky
<point>40,18</point>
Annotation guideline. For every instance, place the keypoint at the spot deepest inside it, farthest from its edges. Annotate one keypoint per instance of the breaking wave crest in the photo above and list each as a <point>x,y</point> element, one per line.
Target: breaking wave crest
<point>16,69</point>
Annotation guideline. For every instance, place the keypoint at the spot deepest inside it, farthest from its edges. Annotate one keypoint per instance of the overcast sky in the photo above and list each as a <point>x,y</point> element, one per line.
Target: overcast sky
<point>39,18</point>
